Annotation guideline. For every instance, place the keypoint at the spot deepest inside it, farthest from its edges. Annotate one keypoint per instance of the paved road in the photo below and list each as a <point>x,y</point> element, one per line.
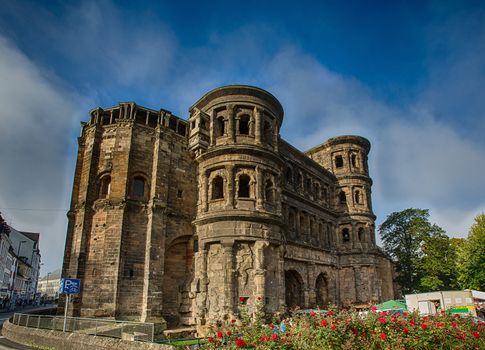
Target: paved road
<point>6,344</point>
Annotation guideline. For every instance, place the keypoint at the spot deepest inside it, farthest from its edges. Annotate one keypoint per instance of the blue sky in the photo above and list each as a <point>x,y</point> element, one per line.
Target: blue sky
<point>408,75</point>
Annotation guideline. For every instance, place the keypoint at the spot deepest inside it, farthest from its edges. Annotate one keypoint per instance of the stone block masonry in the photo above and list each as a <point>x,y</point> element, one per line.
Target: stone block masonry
<point>175,221</point>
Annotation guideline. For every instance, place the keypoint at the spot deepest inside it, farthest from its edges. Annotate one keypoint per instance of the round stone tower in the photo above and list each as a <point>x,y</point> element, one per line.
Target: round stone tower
<point>346,157</point>
<point>234,136</point>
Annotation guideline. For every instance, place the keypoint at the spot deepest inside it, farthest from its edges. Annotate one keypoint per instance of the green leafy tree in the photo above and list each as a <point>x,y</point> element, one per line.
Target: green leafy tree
<point>438,265</point>
<point>472,257</point>
<point>403,234</point>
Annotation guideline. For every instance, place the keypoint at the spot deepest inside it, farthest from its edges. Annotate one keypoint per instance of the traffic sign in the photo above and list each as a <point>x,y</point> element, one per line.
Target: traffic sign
<point>70,286</point>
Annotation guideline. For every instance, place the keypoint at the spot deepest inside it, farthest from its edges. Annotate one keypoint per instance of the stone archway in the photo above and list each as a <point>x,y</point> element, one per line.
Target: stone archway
<point>178,271</point>
<point>293,289</point>
<point>321,290</point>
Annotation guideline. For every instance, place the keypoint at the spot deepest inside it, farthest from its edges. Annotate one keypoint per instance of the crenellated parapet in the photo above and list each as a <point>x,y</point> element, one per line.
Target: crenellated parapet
<point>131,112</point>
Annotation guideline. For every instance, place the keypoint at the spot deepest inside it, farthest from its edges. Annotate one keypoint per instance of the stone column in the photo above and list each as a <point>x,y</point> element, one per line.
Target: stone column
<point>358,283</point>
<point>205,191</point>
<point>230,123</point>
<point>298,224</point>
<point>280,273</point>
<point>259,269</point>
<point>212,128</point>
<point>275,137</point>
<point>199,286</point>
<point>259,188</point>
<point>230,186</point>
<point>257,130</point>
<point>312,294</point>
<point>353,236</point>
<point>228,281</point>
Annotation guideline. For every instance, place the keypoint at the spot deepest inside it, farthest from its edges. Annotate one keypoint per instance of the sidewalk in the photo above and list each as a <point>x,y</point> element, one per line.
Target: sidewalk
<point>6,344</point>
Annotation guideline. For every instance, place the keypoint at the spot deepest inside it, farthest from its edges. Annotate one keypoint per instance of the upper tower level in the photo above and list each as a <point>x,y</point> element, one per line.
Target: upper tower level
<point>343,155</point>
<point>235,114</point>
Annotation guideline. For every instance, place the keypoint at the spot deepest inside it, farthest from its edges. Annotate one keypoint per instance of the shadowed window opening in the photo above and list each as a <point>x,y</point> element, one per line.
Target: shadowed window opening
<point>139,187</point>
<point>342,197</point>
<point>244,125</point>
<point>243,191</point>
<point>353,160</point>
<point>357,197</point>
<point>291,221</point>
<point>289,176</point>
<point>345,235</point>
<point>339,162</point>
<point>217,188</point>
<point>269,192</point>
<point>172,124</point>
<point>220,126</point>
<point>267,132</point>
<point>360,233</point>
<point>105,186</point>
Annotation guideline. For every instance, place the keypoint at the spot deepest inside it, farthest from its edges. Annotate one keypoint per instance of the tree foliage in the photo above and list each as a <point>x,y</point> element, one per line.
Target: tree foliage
<point>424,255</point>
<point>471,257</point>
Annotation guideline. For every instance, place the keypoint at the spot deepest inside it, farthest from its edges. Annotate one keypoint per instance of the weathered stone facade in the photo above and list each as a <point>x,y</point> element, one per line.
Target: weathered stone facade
<point>174,221</point>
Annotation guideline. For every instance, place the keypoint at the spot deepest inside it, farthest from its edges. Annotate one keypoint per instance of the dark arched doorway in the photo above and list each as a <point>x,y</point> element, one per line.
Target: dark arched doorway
<point>178,271</point>
<point>321,290</point>
<point>293,289</point>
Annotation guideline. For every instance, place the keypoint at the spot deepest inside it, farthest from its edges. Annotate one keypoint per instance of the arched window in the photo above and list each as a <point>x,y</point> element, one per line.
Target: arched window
<point>339,162</point>
<point>299,180</point>
<point>244,125</point>
<point>138,187</point>
<point>360,233</point>
<point>243,190</point>
<point>104,186</point>
<point>342,197</point>
<point>357,197</point>
<point>220,126</point>
<point>217,188</point>
<point>269,192</point>
<point>345,235</point>
<point>289,176</point>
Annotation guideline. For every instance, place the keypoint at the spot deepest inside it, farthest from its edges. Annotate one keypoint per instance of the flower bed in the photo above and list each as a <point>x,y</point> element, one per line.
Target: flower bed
<point>348,330</point>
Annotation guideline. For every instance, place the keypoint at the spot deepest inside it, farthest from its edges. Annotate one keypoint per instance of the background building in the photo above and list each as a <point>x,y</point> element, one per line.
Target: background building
<point>48,287</point>
<point>19,264</point>
<point>177,221</point>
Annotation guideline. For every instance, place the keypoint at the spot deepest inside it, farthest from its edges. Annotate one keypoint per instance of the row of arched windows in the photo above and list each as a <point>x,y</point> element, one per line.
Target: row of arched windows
<point>308,228</point>
<point>137,189</point>
<point>244,126</point>
<point>353,157</point>
<point>244,188</point>
<point>346,237</point>
<point>358,196</point>
<point>306,184</point>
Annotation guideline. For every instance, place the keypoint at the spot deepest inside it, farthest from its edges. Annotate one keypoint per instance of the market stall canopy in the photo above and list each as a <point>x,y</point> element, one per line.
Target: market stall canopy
<point>392,305</point>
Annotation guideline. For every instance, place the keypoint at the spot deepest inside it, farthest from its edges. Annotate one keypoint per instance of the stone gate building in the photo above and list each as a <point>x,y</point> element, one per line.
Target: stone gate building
<point>174,221</point>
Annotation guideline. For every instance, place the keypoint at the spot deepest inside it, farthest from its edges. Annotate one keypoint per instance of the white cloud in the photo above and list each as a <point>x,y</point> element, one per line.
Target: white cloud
<point>35,139</point>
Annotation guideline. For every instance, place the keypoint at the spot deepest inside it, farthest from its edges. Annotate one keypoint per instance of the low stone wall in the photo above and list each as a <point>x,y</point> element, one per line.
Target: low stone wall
<point>43,338</point>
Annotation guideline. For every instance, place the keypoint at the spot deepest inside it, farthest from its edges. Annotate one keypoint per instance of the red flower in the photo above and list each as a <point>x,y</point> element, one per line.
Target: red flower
<point>242,299</point>
<point>312,313</point>
<point>382,320</point>
<point>476,334</point>
<point>240,343</point>
<point>405,330</point>
<point>274,337</point>
<point>404,313</point>
<point>424,326</point>
<point>330,313</point>
<point>210,339</point>
<point>219,334</point>
<point>373,308</point>
<point>354,330</point>
<point>412,323</point>
<point>271,326</point>
<point>383,336</point>
<point>323,323</point>
<point>228,333</point>
<point>264,338</point>
<point>334,327</point>
<point>453,324</point>
<point>440,325</point>
<point>233,321</point>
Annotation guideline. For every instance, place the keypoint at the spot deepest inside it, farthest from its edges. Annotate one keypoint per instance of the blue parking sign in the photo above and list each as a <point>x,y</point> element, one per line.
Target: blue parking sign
<point>70,286</point>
